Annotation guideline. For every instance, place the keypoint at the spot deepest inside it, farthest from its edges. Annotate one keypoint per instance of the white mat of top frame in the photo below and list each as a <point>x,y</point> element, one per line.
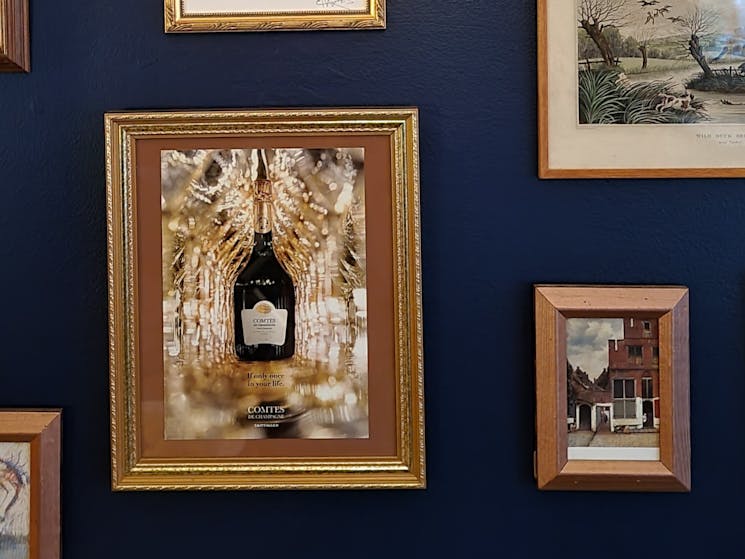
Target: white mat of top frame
<point>195,7</point>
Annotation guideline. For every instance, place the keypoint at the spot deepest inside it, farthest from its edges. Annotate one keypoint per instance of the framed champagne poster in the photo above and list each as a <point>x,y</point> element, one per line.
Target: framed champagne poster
<point>631,88</point>
<point>30,442</point>
<point>612,388</point>
<point>14,36</point>
<point>184,16</point>
<point>265,299</point>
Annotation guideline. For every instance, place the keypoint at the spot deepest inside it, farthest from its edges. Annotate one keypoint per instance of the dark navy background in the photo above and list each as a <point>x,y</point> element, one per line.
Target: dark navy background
<point>490,230</point>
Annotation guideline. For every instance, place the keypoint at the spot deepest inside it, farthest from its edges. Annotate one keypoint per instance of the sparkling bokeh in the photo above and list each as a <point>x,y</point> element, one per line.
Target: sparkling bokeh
<point>319,238</point>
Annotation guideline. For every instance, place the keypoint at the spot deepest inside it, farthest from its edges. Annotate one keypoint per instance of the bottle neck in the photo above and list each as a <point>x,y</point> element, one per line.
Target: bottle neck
<point>263,217</point>
<point>263,244</point>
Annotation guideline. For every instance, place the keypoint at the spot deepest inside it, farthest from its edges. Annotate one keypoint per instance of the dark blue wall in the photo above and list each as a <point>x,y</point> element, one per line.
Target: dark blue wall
<point>490,230</point>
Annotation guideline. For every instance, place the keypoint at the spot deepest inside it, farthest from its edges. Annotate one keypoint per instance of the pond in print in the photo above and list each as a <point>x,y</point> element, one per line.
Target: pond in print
<point>720,108</point>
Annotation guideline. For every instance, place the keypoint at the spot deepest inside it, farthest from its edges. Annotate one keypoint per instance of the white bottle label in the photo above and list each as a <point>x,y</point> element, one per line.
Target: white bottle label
<point>264,324</point>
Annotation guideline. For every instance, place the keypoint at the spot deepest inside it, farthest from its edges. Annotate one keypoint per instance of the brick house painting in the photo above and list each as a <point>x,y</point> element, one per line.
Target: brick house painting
<point>629,401</point>
<point>634,375</point>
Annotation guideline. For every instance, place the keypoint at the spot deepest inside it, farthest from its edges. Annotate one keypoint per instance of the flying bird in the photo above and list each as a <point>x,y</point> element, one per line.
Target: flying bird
<point>676,19</point>
<point>650,17</point>
<point>663,10</point>
<point>646,3</point>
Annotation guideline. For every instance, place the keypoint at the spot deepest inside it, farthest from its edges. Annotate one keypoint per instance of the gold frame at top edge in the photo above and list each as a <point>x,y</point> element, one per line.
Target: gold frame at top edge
<point>177,22</point>
<point>130,471</point>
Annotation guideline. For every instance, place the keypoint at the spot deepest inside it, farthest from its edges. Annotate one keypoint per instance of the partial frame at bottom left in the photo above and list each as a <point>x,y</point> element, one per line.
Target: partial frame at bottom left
<point>30,458</point>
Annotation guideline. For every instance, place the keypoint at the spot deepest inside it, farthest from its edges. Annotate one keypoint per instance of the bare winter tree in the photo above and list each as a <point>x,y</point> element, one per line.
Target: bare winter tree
<point>643,37</point>
<point>698,22</point>
<point>595,15</point>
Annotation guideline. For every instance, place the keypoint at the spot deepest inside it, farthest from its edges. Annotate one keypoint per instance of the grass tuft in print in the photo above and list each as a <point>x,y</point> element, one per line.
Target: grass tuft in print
<point>606,96</point>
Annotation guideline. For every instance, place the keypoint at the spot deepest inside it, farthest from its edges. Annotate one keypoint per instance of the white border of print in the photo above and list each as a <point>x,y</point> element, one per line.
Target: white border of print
<point>613,453</point>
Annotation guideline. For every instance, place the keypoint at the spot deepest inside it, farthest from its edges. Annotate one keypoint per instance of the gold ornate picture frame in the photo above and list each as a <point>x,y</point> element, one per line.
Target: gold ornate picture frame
<point>15,55</point>
<point>187,16</point>
<point>190,195</point>
<point>612,388</point>
<point>30,459</point>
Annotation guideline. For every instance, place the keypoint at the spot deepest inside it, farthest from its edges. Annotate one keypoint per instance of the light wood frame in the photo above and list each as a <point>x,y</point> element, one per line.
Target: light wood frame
<point>177,21</point>
<point>553,305</point>
<point>678,163</point>
<point>396,131</point>
<point>42,429</point>
<point>15,53</point>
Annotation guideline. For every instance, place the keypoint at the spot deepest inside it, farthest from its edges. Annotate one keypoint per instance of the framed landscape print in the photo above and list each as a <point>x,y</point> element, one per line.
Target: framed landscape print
<point>14,36</point>
<point>30,484</point>
<point>265,299</point>
<point>632,88</point>
<point>612,388</point>
<point>183,16</point>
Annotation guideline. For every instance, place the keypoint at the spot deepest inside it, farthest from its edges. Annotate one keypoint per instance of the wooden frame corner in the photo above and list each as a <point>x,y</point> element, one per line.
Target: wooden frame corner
<point>15,53</point>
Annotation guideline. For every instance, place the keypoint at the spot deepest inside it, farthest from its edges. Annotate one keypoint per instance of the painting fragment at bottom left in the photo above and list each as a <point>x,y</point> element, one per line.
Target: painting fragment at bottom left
<point>15,500</point>
<point>30,460</point>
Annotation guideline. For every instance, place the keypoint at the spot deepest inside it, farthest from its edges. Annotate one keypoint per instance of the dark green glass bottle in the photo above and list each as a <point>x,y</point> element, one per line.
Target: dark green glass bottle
<point>264,295</point>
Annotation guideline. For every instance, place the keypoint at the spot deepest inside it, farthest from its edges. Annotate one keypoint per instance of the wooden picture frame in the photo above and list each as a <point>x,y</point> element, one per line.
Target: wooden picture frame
<point>628,120</point>
<point>30,457</point>
<point>668,306</point>
<point>189,16</point>
<point>15,54</point>
<point>356,426</point>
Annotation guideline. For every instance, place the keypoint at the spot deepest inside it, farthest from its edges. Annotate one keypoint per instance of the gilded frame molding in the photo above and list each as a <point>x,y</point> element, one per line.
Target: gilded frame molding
<point>130,471</point>
<point>15,50</point>
<point>553,470</point>
<point>176,21</point>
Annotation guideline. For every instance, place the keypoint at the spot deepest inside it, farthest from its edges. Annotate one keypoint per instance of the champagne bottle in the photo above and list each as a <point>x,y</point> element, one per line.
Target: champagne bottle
<point>264,295</point>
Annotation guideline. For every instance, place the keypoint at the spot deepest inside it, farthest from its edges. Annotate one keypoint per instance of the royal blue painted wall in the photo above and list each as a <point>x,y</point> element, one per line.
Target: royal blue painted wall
<point>490,230</point>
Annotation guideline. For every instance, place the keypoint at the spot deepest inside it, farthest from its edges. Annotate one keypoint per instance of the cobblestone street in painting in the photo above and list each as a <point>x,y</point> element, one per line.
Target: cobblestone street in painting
<point>588,438</point>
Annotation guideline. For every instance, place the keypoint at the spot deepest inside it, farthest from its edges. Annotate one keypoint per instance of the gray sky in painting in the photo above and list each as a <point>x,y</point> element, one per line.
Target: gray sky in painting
<point>732,14</point>
<point>587,342</point>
